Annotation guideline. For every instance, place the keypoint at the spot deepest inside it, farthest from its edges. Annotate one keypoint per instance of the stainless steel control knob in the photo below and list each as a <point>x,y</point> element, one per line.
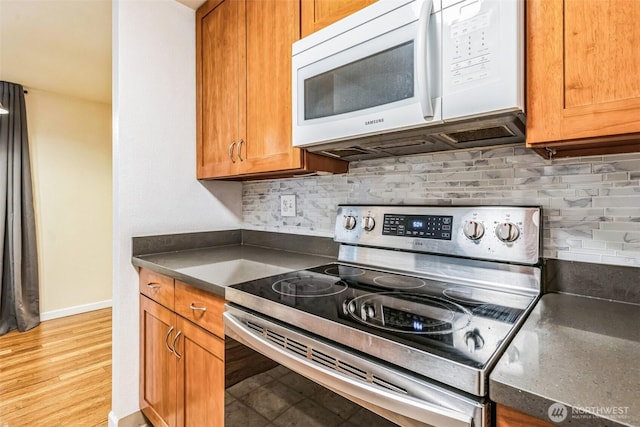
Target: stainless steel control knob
<point>367,311</point>
<point>473,340</point>
<point>349,307</point>
<point>349,222</point>
<point>368,223</point>
<point>507,232</point>
<point>473,230</point>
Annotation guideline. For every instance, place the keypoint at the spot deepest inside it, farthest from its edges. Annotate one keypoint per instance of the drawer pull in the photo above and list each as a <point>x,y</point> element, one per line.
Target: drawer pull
<point>196,308</point>
<point>166,340</point>
<point>153,285</point>
<point>175,341</point>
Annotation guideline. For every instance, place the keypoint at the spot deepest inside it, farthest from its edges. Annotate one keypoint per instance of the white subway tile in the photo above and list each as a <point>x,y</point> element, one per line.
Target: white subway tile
<point>583,178</point>
<point>616,201</point>
<point>618,176</point>
<point>594,244</point>
<point>573,256</point>
<point>619,166</point>
<point>570,202</point>
<point>620,226</point>
<point>590,203</point>
<point>617,236</point>
<point>621,260</point>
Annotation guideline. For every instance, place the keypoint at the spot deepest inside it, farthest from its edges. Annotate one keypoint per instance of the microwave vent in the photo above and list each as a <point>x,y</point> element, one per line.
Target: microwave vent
<point>496,129</point>
<point>405,147</point>
<point>346,152</point>
<point>478,134</point>
<point>398,144</point>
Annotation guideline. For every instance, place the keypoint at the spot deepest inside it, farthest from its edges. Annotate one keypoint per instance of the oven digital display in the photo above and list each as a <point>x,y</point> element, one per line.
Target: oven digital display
<point>423,226</point>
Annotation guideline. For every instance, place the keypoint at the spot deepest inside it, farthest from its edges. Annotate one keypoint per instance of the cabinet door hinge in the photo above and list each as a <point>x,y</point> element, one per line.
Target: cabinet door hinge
<point>550,152</point>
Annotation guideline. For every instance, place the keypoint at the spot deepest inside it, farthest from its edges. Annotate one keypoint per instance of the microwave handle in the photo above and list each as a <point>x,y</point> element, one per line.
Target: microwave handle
<point>421,53</point>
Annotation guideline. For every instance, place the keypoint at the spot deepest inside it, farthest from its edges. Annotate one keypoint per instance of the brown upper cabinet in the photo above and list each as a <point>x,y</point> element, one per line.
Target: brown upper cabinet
<point>583,90</point>
<point>243,91</point>
<point>317,14</point>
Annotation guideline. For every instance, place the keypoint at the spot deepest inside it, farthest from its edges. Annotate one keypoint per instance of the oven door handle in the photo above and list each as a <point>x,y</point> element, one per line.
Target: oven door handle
<point>402,409</point>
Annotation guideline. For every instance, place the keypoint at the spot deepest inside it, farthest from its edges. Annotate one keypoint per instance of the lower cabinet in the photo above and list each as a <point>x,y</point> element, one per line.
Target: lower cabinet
<point>200,382</point>
<point>181,366</point>
<point>158,364</point>
<point>507,417</point>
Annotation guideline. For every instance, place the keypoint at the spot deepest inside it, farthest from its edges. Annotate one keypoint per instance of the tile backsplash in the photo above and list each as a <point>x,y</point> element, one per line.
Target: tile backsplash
<point>591,205</point>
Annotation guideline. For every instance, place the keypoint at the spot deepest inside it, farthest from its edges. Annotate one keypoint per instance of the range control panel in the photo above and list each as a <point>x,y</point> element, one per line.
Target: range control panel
<point>497,233</point>
<point>422,226</point>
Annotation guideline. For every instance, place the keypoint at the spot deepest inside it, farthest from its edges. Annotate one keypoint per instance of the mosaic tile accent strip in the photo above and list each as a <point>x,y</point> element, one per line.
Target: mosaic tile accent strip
<point>591,205</point>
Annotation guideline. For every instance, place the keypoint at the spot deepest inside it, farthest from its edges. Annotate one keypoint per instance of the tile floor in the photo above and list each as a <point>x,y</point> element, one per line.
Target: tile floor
<point>282,398</point>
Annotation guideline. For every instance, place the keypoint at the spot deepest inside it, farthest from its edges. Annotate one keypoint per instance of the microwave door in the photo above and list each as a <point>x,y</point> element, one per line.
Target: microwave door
<point>382,78</point>
<point>371,85</point>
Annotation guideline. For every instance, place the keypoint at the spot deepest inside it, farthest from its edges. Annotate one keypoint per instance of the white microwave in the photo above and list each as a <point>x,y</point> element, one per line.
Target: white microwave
<point>408,76</point>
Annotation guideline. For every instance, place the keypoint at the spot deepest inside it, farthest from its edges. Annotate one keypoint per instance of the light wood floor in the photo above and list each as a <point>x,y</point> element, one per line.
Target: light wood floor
<point>57,374</point>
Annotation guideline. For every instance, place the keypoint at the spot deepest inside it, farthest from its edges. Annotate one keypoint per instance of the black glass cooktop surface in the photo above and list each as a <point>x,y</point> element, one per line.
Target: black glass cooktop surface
<point>459,322</point>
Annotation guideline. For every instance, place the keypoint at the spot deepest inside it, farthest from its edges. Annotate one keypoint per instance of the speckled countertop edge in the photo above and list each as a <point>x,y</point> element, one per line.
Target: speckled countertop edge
<point>172,255</point>
<point>576,351</point>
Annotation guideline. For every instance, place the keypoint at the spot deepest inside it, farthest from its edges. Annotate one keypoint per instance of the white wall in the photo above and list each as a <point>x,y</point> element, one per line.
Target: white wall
<point>155,190</point>
<point>70,147</point>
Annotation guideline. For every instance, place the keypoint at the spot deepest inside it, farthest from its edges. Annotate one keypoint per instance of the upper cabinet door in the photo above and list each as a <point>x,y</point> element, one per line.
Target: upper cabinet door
<point>221,86</point>
<point>272,26</point>
<point>317,14</point>
<point>243,91</point>
<point>583,91</point>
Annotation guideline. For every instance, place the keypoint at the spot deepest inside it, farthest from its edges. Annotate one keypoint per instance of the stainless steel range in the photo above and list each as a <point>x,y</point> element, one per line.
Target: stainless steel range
<point>409,322</point>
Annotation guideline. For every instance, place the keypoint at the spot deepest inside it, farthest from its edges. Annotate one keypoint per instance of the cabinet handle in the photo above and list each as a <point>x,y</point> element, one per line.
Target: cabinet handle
<point>231,151</point>
<point>175,341</point>
<point>240,150</point>
<point>153,285</point>
<point>166,340</point>
<point>194,307</point>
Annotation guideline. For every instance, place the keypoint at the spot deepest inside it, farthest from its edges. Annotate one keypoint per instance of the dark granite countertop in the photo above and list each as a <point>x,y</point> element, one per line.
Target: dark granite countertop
<point>213,269</point>
<point>575,351</point>
<point>580,352</point>
<point>214,260</point>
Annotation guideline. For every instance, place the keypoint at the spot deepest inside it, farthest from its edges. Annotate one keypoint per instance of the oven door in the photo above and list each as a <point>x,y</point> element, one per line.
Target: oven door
<point>401,398</point>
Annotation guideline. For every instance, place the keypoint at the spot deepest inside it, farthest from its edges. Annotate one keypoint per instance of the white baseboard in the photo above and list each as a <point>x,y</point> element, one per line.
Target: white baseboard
<point>63,312</point>
<point>112,420</point>
<point>133,420</point>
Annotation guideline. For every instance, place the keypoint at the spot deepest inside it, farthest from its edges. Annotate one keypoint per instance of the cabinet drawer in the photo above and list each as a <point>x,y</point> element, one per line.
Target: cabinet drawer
<point>157,287</point>
<point>202,308</point>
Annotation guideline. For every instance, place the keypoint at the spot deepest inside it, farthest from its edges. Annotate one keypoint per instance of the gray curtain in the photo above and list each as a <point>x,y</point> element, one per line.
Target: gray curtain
<point>19,293</point>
